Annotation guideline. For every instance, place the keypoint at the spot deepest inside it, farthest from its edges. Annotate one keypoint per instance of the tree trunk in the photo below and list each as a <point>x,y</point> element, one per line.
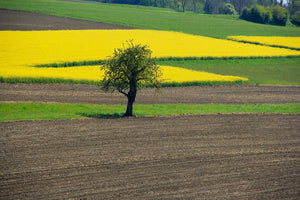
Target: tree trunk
<point>131,98</point>
<point>129,110</point>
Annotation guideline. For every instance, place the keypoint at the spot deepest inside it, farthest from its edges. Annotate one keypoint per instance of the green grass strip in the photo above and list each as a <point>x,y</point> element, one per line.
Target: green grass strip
<point>45,80</point>
<point>88,82</point>
<point>72,64</point>
<point>38,111</point>
<point>165,59</point>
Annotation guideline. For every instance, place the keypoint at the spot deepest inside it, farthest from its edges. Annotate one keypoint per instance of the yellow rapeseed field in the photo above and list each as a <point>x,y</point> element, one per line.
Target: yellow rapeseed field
<point>20,51</point>
<point>37,47</point>
<point>93,73</point>
<point>291,42</point>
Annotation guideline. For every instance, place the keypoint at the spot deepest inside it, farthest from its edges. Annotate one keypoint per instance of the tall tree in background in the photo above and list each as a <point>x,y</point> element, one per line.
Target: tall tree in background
<point>183,4</point>
<point>293,6</point>
<point>128,69</point>
<point>208,7</point>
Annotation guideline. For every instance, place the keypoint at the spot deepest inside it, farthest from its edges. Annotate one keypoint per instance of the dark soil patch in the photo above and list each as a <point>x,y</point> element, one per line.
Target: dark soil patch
<point>90,94</point>
<point>244,156</point>
<point>19,20</point>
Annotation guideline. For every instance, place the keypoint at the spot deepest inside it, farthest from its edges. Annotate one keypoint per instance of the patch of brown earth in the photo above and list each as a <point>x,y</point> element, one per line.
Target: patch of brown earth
<point>247,156</point>
<point>27,21</point>
<point>90,94</point>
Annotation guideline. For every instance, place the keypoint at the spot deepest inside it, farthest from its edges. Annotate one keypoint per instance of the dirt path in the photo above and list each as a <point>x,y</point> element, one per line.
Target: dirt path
<point>18,20</point>
<point>76,93</point>
<point>184,157</point>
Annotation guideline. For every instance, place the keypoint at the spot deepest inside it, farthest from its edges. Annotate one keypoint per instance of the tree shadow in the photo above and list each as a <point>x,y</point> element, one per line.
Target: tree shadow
<point>103,116</point>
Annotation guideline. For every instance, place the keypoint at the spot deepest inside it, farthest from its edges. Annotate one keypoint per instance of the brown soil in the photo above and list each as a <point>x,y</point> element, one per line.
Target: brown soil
<point>89,94</point>
<point>248,156</point>
<point>19,20</point>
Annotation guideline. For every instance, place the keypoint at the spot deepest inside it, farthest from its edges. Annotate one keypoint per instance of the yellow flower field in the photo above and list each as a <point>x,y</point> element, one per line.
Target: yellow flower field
<point>291,42</point>
<point>39,47</point>
<point>20,51</point>
<point>93,73</point>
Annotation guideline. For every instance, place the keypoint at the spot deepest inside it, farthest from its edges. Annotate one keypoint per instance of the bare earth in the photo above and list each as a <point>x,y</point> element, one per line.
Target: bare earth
<point>26,21</point>
<point>230,156</point>
<point>247,156</point>
<point>90,94</point>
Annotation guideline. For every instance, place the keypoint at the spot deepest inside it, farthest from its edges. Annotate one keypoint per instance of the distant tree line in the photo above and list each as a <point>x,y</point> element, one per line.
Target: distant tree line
<point>275,15</point>
<point>275,12</point>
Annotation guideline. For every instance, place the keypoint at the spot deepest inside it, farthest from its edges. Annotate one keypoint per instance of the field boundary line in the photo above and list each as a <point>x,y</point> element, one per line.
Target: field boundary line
<point>262,44</point>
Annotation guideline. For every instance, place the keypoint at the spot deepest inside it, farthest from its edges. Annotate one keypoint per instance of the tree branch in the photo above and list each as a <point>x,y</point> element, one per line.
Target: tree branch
<point>123,93</point>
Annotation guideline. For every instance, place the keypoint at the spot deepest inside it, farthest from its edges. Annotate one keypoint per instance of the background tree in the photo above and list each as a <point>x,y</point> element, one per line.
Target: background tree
<point>128,69</point>
<point>296,18</point>
<point>293,6</point>
<point>183,4</point>
<point>227,9</point>
<point>280,15</point>
<point>208,7</point>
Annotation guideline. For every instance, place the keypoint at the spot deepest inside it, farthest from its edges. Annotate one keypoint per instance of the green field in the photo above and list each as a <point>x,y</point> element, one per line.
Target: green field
<point>31,111</point>
<point>218,26</point>
<point>283,71</point>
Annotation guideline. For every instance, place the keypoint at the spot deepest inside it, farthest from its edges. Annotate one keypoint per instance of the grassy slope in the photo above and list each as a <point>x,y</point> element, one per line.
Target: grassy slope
<point>28,111</point>
<point>258,71</point>
<point>151,18</point>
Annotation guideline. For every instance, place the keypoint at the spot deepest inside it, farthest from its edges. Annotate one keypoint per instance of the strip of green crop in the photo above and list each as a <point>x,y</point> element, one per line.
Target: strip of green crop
<point>72,64</point>
<point>88,82</point>
<point>45,80</point>
<point>163,59</point>
<point>35,111</point>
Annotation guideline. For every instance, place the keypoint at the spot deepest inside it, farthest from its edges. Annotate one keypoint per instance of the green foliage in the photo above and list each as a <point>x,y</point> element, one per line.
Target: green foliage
<point>245,14</point>
<point>280,15</point>
<point>257,14</point>
<point>129,65</point>
<point>33,111</point>
<point>275,15</point>
<point>228,9</point>
<point>151,18</point>
<point>129,69</point>
<point>295,19</point>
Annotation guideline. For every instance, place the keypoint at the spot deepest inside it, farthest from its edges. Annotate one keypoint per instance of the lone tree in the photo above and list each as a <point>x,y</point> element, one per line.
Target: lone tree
<point>128,69</point>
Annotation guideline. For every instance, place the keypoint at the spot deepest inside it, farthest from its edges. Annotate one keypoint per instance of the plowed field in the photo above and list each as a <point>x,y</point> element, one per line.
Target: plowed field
<point>90,94</point>
<point>26,21</point>
<point>248,156</point>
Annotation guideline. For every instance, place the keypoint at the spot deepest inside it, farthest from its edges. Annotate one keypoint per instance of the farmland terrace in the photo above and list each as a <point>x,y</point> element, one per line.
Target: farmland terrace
<point>218,156</point>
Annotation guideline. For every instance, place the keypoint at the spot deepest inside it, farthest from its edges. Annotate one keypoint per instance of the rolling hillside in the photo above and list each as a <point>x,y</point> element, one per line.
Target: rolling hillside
<point>217,26</point>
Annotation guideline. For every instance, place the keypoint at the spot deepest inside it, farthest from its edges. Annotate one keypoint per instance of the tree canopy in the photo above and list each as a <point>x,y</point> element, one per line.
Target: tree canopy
<point>129,69</point>
<point>206,6</point>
